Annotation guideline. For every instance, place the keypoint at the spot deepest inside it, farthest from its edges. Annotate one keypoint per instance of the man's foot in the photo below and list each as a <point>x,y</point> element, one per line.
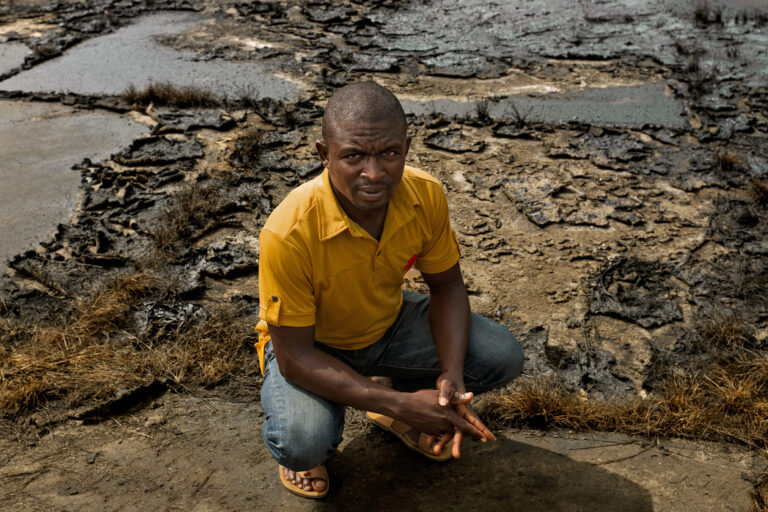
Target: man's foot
<point>414,440</point>
<point>309,484</point>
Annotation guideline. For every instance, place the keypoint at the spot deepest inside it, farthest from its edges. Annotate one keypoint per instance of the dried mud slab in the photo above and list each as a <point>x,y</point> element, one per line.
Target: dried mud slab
<point>176,120</point>
<point>637,291</point>
<point>159,151</point>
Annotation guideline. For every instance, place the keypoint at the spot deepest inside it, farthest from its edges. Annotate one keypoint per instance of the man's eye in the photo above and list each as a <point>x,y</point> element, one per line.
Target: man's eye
<point>388,152</point>
<point>352,156</point>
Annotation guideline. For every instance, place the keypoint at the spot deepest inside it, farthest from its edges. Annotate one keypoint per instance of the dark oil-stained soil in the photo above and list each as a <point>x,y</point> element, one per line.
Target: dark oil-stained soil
<point>603,166</point>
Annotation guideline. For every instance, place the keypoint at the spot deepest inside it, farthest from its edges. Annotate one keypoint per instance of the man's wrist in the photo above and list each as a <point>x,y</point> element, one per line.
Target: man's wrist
<point>454,375</point>
<point>389,401</point>
<point>398,406</point>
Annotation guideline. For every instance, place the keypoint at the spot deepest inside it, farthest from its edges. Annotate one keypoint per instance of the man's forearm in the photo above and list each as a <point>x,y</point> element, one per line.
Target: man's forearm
<point>449,320</point>
<point>329,378</point>
<point>325,376</point>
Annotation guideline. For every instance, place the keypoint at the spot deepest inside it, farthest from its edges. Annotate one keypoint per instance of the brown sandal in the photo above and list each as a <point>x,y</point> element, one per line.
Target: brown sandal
<point>399,429</point>
<point>319,472</point>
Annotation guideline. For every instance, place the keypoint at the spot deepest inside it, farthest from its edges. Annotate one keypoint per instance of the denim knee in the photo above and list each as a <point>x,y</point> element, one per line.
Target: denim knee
<point>494,356</point>
<point>511,359</point>
<point>299,444</point>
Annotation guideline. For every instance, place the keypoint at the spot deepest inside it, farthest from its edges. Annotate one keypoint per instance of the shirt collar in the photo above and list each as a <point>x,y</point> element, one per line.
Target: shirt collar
<point>333,220</point>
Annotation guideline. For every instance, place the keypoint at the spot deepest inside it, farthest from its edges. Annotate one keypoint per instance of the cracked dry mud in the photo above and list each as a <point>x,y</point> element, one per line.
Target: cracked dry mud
<point>598,163</point>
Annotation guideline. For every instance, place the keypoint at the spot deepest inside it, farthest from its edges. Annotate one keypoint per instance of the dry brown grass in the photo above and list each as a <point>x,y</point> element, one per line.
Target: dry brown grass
<point>759,190</point>
<point>728,160</point>
<point>726,401</point>
<point>92,352</point>
<point>760,494</point>
<point>101,312</point>
<point>186,215</point>
<point>721,396</point>
<point>91,357</point>
<point>248,146</point>
<point>74,360</point>
<point>210,352</point>
<point>165,93</point>
<point>706,13</point>
<point>725,331</point>
<point>728,404</point>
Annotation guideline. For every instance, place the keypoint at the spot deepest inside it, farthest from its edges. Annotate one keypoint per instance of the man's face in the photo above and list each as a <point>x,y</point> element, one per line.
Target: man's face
<point>366,162</point>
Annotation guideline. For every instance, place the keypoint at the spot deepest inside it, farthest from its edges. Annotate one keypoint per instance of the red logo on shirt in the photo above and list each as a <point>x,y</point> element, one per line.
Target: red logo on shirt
<point>411,262</point>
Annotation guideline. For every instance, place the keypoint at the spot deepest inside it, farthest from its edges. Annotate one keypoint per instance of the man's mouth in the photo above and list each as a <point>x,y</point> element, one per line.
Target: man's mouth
<point>372,193</point>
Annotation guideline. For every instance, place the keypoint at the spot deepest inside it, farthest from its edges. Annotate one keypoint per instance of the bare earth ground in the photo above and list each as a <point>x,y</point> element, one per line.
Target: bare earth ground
<point>203,451</point>
<point>600,168</point>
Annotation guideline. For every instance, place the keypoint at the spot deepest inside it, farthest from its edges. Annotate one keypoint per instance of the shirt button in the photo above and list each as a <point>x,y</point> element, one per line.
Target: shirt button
<point>274,298</point>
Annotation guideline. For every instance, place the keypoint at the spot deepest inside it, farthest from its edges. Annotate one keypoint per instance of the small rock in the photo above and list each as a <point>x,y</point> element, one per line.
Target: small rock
<point>155,419</point>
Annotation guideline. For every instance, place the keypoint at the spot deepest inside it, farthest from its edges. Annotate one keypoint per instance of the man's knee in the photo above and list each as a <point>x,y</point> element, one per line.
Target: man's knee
<point>299,444</point>
<point>512,359</point>
<point>498,357</point>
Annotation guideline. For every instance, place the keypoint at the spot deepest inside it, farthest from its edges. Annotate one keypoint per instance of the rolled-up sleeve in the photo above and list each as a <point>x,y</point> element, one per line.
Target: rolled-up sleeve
<point>285,282</point>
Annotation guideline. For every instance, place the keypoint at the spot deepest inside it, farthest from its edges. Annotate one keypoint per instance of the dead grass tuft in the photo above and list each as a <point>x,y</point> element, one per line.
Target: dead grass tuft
<point>725,402</point>
<point>481,111</point>
<point>725,331</point>
<point>699,82</point>
<point>760,494</point>
<point>759,190</point>
<point>100,313</point>
<point>47,50</point>
<point>706,13</point>
<point>728,161</point>
<point>519,118</point>
<point>248,146</point>
<point>165,93</point>
<point>77,359</point>
<point>246,97</point>
<point>211,351</point>
<point>186,216</point>
<point>92,358</point>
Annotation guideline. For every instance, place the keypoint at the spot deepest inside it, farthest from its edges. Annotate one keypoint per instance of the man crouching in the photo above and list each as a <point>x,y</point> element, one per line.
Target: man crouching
<point>333,255</point>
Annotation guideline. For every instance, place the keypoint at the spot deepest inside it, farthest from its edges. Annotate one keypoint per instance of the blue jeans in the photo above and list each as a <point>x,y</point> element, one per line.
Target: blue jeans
<point>302,430</point>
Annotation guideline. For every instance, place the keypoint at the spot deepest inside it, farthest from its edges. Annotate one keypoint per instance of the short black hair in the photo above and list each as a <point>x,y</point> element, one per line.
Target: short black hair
<point>366,102</point>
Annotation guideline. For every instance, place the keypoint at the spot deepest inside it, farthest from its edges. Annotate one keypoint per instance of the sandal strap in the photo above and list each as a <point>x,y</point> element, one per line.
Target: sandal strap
<point>424,443</point>
<point>316,473</point>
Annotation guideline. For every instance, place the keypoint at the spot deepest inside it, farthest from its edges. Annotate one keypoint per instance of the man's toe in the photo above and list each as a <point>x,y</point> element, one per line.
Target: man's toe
<point>313,484</point>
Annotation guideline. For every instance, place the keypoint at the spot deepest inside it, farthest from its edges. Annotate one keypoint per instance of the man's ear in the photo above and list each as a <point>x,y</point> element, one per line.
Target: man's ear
<point>322,152</point>
<point>407,145</point>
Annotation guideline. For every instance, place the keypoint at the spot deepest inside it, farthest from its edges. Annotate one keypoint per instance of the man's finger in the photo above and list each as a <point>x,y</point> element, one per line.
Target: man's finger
<point>466,427</point>
<point>456,449</point>
<point>470,416</point>
<point>441,443</point>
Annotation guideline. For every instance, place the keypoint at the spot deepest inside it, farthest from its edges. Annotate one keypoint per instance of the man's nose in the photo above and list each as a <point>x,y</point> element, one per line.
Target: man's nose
<point>374,171</point>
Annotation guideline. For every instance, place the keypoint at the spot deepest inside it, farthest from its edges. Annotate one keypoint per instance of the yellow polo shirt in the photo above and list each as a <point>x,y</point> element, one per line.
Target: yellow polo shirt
<point>318,267</point>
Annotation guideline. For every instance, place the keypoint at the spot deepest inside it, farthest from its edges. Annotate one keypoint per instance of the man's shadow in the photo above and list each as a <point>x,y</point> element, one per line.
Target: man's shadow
<point>375,473</point>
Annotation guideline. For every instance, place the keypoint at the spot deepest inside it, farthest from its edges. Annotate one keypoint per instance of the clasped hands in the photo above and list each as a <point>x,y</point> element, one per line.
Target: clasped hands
<point>452,393</point>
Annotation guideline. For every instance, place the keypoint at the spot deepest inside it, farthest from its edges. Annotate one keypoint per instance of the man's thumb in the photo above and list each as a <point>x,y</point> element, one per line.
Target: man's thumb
<point>462,398</point>
<point>444,395</point>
